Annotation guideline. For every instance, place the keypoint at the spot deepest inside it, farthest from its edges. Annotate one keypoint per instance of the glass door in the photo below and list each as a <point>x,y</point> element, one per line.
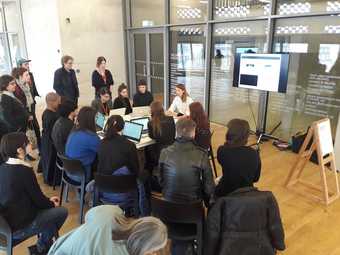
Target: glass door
<point>148,61</point>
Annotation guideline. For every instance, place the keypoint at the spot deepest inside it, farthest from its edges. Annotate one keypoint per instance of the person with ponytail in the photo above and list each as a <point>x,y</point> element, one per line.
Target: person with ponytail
<point>180,105</point>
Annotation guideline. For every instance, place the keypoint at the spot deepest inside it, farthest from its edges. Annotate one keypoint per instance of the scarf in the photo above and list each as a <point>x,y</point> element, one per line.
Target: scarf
<point>27,91</point>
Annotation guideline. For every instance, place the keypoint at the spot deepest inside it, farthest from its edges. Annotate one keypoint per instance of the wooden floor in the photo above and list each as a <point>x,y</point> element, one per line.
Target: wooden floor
<point>310,228</point>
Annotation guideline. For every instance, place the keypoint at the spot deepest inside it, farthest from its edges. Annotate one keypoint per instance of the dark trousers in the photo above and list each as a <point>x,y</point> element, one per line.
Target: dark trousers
<point>46,224</point>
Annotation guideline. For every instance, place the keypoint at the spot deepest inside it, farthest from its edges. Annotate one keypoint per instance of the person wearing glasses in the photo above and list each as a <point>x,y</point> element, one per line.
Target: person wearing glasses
<point>65,80</point>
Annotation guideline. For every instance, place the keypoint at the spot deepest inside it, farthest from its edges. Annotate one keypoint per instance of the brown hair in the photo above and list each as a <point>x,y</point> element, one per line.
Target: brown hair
<point>198,115</point>
<point>184,127</point>
<point>238,133</point>
<point>18,71</point>
<point>5,80</point>
<point>157,113</point>
<point>86,119</point>
<point>100,60</point>
<point>121,88</point>
<point>185,93</point>
<point>65,59</point>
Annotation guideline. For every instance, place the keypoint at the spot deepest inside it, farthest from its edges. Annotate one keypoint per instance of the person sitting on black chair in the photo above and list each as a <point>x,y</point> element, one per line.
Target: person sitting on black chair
<point>247,222</point>
<point>241,164</point>
<point>26,209</point>
<point>185,171</point>
<point>143,97</point>
<point>64,125</point>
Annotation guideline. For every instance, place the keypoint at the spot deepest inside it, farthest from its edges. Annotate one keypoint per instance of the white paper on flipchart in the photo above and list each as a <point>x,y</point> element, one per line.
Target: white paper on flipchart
<point>325,137</point>
<point>337,146</point>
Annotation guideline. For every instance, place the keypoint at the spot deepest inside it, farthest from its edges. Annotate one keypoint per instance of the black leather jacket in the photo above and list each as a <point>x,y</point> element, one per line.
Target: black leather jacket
<point>246,222</point>
<point>185,173</point>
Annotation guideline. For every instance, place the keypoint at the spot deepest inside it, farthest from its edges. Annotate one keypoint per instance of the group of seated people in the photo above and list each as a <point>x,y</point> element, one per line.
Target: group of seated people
<point>241,219</point>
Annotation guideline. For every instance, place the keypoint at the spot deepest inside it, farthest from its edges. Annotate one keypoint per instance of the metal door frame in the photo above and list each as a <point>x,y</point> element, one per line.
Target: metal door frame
<point>132,67</point>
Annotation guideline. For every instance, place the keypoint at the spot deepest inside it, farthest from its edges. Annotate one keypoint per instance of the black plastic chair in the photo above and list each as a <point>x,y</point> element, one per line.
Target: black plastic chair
<point>184,221</point>
<point>212,156</point>
<point>6,236</point>
<point>115,184</point>
<point>59,167</point>
<point>75,168</point>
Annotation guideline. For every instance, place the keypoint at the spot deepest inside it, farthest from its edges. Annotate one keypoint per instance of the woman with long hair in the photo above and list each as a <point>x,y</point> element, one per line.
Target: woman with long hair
<point>107,231</point>
<point>202,133</point>
<point>180,104</point>
<point>162,129</point>
<point>101,77</point>
<point>123,101</point>
<point>241,164</point>
<point>82,144</point>
<point>118,156</point>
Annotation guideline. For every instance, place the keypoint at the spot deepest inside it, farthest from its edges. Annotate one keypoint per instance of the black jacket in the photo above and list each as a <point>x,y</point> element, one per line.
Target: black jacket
<point>34,90</point>
<point>122,103</point>
<point>66,84</point>
<point>185,173</point>
<point>246,222</point>
<point>116,153</point>
<point>164,139</point>
<point>241,167</point>
<point>14,114</point>
<point>140,99</point>
<point>203,138</point>
<point>21,197</point>
<point>98,81</point>
<point>60,132</point>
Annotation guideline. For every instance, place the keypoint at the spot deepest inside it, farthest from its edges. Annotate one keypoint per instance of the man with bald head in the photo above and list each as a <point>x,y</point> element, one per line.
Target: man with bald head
<point>48,151</point>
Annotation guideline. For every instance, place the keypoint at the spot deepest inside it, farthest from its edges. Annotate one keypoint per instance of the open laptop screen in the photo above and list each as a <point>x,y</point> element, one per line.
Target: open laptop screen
<point>142,121</point>
<point>100,120</point>
<point>133,131</point>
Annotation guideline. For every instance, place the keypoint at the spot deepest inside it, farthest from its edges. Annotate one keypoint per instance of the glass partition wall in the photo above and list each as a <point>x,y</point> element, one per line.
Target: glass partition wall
<point>201,38</point>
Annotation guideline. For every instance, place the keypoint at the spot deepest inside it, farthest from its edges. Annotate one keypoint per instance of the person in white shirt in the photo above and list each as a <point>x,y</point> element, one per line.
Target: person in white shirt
<point>180,104</point>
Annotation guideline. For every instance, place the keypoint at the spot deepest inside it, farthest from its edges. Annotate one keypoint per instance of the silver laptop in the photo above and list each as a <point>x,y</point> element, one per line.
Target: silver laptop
<point>120,111</point>
<point>142,111</point>
<point>143,121</point>
<point>133,131</point>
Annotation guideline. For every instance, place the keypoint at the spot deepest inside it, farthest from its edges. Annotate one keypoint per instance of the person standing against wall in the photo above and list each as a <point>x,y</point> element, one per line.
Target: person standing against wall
<point>65,80</point>
<point>101,77</point>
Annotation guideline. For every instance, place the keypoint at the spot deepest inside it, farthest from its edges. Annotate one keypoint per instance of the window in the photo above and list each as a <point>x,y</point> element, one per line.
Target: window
<point>146,13</point>
<point>291,7</point>
<point>314,74</point>
<point>227,102</point>
<point>187,60</point>
<point>240,9</point>
<point>188,11</point>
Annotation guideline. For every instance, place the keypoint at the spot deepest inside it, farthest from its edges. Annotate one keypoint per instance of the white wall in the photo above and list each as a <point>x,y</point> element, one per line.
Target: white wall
<point>95,29</point>
<point>41,25</point>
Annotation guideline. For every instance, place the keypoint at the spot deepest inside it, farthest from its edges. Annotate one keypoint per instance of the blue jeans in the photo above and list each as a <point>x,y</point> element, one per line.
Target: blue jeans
<point>46,224</point>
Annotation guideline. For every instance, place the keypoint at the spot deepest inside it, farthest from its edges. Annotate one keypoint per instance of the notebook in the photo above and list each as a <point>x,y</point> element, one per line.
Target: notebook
<point>133,131</point>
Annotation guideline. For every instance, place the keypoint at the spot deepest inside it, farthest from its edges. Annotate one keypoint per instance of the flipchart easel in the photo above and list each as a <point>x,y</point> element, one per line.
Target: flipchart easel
<point>319,137</point>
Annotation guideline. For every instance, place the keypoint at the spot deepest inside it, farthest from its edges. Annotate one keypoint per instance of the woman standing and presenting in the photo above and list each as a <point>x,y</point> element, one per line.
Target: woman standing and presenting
<point>101,77</point>
<point>123,101</point>
<point>180,105</point>
<point>202,133</point>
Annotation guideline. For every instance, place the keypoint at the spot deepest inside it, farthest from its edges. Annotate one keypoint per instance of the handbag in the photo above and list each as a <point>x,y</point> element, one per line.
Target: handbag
<point>32,138</point>
<point>297,141</point>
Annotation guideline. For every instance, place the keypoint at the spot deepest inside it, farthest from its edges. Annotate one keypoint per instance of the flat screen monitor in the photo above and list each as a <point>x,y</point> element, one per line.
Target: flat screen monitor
<point>268,72</point>
<point>133,131</point>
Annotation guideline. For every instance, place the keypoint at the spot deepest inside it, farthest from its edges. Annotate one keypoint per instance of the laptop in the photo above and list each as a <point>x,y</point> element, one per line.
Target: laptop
<point>100,121</point>
<point>120,111</point>
<point>143,121</point>
<point>142,111</point>
<point>133,131</point>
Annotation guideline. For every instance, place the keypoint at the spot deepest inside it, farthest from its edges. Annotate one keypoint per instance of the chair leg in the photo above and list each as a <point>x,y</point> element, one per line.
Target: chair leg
<point>9,246</point>
<point>62,184</point>
<point>82,196</point>
<point>66,195</point>
<point>213,160</point>
<point>54,178</point>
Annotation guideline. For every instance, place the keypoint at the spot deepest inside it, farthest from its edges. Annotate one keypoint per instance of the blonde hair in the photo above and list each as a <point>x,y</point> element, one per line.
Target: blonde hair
<point>144,235</point>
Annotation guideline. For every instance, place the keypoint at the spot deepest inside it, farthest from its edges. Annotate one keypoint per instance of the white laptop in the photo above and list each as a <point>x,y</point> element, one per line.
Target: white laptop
<point>143,111</point>
<point>120,111</point>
